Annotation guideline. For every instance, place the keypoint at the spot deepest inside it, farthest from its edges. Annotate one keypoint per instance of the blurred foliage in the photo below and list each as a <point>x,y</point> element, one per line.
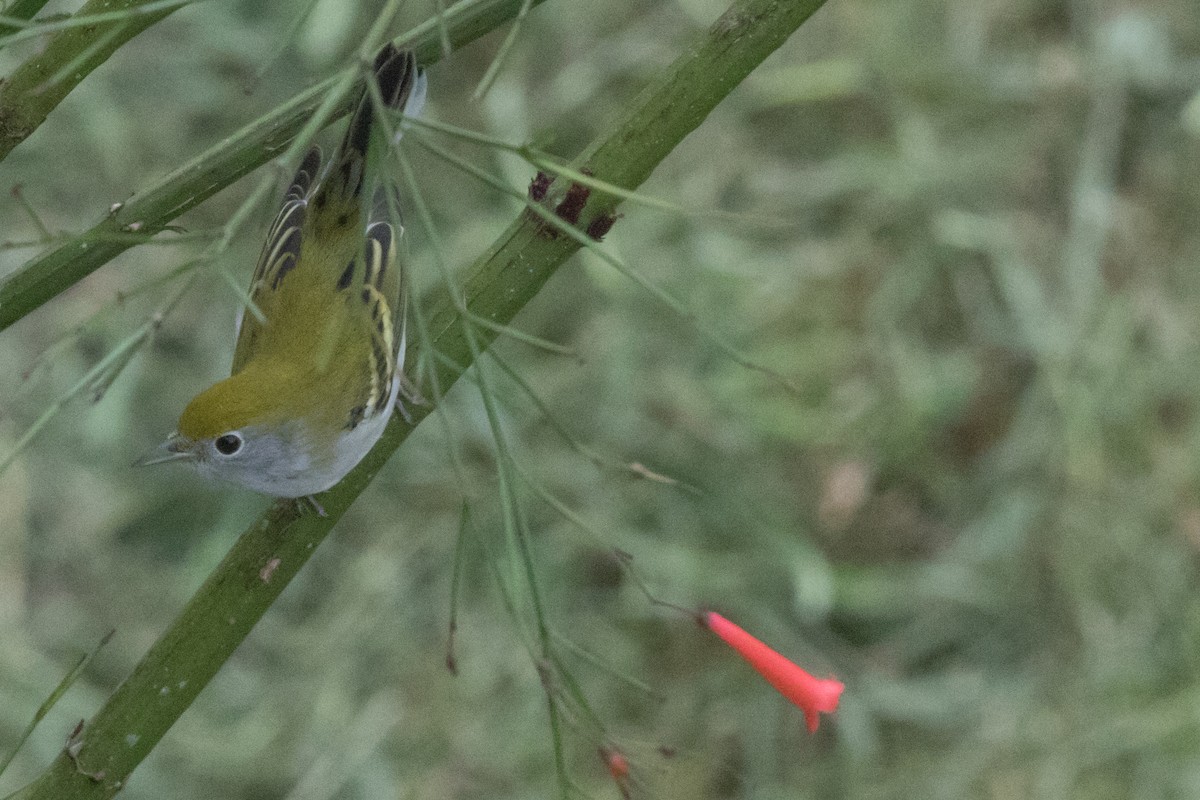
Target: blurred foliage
<point>972,246</point>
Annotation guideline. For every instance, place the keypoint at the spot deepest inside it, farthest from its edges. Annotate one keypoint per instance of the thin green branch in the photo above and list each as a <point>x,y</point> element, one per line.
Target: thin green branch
<point>112,38</point>
<point>501,282</point>
<point>525,338</point>
<point>455,582</point>
<point>95,381</point>
<point>54,23</point>
<point>551,420</point>
<point>289,36</point>
<point>517,533</point>
<point>67,681</point>
<point>20,12</point>
<point>665,297</point>
<point>587,656</point>
<point>37,86</point>
<point>426,356</point>
<point>48,274</point>
<point>493,70</point>
<point>557,168</point>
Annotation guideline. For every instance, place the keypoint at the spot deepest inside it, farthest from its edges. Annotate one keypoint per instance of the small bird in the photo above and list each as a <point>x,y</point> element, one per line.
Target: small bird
<point>314,381</point>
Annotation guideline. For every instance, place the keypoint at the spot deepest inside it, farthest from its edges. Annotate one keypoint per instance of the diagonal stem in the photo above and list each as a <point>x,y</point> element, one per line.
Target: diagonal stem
<point>37,86</point>
<point>502,281</point>
<point>46,275</point>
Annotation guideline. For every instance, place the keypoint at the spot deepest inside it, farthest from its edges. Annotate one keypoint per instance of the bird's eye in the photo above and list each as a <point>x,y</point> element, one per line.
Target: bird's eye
<point>228,444</point>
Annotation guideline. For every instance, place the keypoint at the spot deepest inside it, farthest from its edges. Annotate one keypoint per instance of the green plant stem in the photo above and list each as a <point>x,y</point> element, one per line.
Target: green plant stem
<point>21,9</point>
<point>37,86</point>
<point>45,276</point>
<point>502,281</point>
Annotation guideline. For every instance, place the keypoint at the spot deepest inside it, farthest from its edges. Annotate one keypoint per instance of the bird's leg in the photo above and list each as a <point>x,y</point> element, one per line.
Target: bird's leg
<point>411,394</point>
<point>311,500</point>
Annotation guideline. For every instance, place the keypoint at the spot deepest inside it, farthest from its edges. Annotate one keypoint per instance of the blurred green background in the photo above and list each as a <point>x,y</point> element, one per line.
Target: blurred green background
<point>970,237</point>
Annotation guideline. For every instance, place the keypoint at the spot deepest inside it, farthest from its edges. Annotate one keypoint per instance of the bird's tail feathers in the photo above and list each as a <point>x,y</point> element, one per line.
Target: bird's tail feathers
<point>401,85</point>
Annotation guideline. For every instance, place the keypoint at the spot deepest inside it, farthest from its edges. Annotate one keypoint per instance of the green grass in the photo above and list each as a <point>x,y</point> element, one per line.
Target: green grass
<point>981,509</point>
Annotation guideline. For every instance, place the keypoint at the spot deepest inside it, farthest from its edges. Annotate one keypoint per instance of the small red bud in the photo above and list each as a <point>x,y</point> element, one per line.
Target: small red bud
<point>618,768</point>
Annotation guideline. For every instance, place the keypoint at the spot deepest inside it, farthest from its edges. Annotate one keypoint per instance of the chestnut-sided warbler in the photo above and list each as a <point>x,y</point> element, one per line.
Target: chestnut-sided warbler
<point>315,379</point>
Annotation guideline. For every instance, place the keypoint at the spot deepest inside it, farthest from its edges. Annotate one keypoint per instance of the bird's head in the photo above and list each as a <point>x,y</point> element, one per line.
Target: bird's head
<point>240,432</point>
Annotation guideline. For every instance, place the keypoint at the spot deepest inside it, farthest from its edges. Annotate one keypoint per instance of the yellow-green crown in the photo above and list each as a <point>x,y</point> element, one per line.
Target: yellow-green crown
<point>248,398</point>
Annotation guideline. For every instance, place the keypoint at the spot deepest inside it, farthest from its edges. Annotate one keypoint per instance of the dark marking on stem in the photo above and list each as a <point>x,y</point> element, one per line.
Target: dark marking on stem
<point>572,204</point>
<point>539,187</point>
<point>451,659</point>
<point>601,225</point>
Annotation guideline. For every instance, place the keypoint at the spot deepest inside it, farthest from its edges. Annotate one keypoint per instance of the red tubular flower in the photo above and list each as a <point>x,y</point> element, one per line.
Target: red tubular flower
<point>813,696</point>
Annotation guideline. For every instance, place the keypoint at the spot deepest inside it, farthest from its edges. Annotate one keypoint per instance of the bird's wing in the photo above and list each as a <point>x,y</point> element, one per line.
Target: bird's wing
<point>381,292</point>
<point>280,254</point>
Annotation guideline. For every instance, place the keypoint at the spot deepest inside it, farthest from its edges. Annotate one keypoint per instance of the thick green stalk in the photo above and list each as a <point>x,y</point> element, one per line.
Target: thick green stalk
<point>149,212</point>
<point>502,281</point>
<point>37,86</point>
<point>21,9</point>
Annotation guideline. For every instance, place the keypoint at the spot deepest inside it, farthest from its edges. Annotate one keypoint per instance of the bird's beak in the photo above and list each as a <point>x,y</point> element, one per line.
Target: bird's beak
<point>175,448</point>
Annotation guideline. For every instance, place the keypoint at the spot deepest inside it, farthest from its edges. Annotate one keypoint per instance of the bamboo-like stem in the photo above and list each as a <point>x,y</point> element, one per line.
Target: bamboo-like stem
<point>21,9</point>
<point>38,85</point>
<point>149,212</point>
<point>505,278</point>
